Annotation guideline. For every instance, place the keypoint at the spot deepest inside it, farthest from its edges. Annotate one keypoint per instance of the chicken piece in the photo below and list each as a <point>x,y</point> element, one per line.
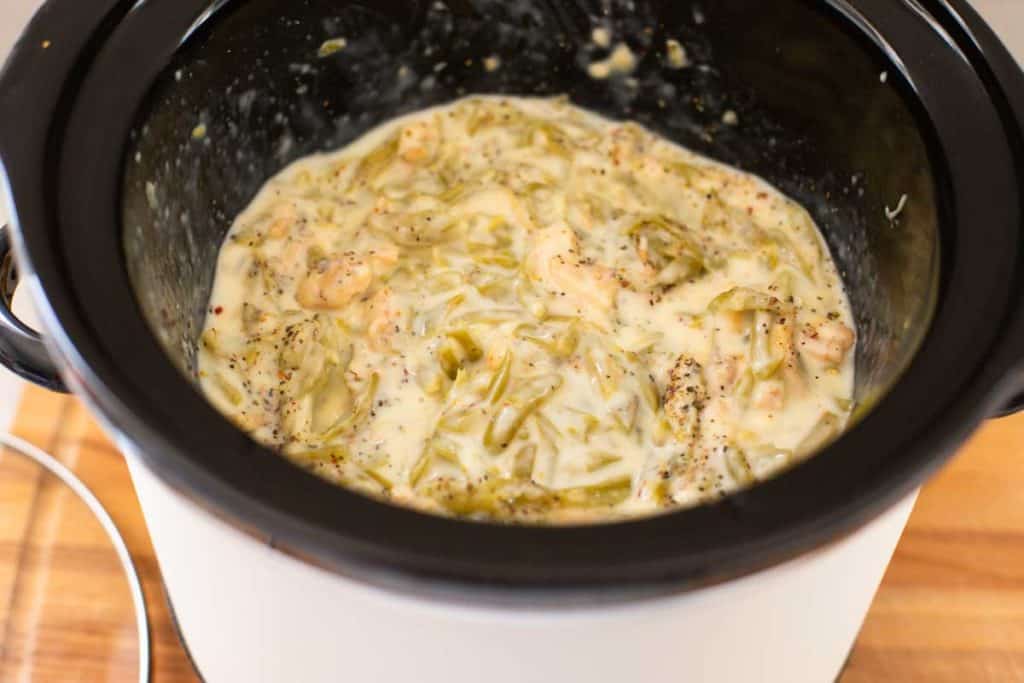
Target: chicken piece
<point>769,395</point>
<point>383,258</point>
<point>685,397</point>
<point>385,319</point>
<point>826,341</point>
<point>419,142</point>
<point>335,282</point>
<point>579,286</point>
<point>725,371</point>
<point>284,219</point>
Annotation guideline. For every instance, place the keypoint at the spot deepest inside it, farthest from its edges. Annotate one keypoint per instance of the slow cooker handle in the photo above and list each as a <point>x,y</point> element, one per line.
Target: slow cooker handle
<point>1016,405</point>
<point>21,349</point>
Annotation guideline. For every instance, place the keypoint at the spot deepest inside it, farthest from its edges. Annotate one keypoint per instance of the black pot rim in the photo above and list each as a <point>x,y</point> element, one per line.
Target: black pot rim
<point>53,97</point>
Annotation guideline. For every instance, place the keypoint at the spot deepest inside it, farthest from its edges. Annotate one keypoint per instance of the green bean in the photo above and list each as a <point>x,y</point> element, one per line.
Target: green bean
<point>599,460</point>
<point>549,432</point>
<point>376,162</point>
<point>524,461</point>
<point>649,393</point>
<point>766,461</point>
<point>505,261</point>
<point>360,412</point>
<point>691,173</point>
<point>511,416</point>
<point>453,193</point>
<point>765,359</point>
<point>667,247</point>
<point>233,395</point>
<point>456,350</point>
<point>606,371</point>
<point>626,417</point>
<point>744,384</point>
<point>495,316</point>
<point>315,255</point>
<point>737,465</point>
<point>445,281</point>
<point>433,381</point>
<point>552,135</point>
<point>209,342</point>
<point>463,421</point>
<point>743,300</point>
<point>332,454</point>
<point>331,399</point>
<point>383,482</point>
<point>604,494</point>
<point>436,448</point>
<point>499,383</point>
<point>561,343</point>
<point>590,425</point>
<point>497,290</point>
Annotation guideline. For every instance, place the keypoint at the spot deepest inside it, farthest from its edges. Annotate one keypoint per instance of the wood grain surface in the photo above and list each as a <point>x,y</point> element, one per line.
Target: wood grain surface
<point>951,607</point>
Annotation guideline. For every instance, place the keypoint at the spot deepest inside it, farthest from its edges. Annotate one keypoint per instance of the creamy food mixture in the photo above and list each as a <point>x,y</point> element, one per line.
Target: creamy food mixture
<point>513,309</point>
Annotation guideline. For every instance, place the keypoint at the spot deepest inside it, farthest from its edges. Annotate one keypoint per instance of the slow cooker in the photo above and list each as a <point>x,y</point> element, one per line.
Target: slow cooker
<point>898,123</point>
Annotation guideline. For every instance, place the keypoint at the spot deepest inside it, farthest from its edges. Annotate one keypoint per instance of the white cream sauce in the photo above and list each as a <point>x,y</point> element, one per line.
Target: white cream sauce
<point>513,309</point>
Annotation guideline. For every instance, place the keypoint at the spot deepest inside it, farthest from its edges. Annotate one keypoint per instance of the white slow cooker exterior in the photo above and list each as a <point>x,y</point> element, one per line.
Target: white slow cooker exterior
<point>251,613</point>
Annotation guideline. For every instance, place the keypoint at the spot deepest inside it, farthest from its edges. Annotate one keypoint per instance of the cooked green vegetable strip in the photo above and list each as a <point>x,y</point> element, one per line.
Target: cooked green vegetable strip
<point>600,460</point>
<point>525,399</point>
<point>230,392</point>
<point>605,494</point>
<point>332,399</point>
<point>739,467</point>
<point>376,162</point>
<point>742,300</point>
<point>524,462</point>
<point>499,383</point>
<point>765,359</point>
<point>359,413</point>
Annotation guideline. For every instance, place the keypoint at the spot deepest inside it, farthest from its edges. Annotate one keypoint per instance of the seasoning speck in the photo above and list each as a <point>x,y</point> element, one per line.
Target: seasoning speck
<point>492,63</point>
<point>676,54</point>
<point>893,214</point>
<point>621,61</point>
<point>331,46</point>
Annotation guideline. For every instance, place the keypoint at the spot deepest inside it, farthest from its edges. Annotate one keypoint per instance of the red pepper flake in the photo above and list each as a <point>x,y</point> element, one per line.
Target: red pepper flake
<point>218,310</point>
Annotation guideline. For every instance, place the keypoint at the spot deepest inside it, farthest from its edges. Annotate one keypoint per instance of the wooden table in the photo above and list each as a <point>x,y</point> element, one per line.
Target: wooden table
<point>951,607</point>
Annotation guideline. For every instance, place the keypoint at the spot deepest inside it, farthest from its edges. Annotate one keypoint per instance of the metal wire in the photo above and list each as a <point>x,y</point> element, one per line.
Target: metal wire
<point>57,469</point>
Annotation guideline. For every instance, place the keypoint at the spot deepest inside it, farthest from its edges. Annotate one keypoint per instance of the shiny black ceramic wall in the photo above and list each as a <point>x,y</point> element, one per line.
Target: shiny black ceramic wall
<point>821,115</point>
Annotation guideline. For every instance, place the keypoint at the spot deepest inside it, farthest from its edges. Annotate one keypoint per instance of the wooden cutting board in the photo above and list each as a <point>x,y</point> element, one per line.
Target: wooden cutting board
<point>951,607</point>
